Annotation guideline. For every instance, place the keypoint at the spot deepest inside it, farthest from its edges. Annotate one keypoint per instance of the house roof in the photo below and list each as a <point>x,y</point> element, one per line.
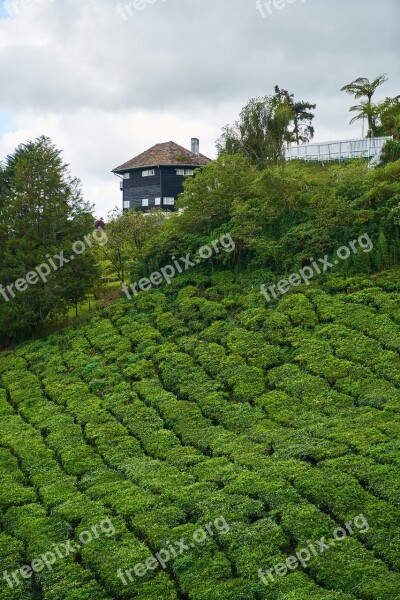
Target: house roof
<point>167,153</point>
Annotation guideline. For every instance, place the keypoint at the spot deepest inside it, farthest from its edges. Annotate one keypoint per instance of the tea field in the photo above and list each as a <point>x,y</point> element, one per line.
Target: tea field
<point>199,401</point>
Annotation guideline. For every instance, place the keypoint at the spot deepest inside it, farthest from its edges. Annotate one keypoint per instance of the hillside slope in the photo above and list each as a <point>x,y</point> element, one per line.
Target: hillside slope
<point>199,405</point>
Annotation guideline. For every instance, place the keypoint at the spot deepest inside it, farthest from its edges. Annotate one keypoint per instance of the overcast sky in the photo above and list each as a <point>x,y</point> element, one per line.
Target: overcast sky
<point>106,81</point>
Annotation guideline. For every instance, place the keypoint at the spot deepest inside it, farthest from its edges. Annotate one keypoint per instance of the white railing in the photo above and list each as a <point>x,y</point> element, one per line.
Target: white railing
<point>340,150</point>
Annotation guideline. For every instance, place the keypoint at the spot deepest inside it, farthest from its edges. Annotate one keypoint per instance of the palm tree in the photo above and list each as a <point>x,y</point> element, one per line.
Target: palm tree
<point>364,88</point>
<point>369,111</point>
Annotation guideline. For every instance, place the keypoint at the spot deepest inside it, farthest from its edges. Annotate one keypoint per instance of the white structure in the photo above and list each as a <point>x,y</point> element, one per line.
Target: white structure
<point>343,150</point>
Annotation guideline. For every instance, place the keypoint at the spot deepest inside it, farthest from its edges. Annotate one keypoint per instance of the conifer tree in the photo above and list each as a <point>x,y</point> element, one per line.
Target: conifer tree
<point>42,213</point>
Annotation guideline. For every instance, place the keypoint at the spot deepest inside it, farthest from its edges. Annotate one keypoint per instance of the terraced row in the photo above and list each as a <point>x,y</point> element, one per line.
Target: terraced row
<point>169,412</point>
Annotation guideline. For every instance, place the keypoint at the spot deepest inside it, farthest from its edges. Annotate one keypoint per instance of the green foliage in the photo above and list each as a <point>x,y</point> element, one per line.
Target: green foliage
<point>127,232</point>
<point>42,213</point>
<point>364,88</point>
<point>389,117</point>
<point>199,402</point>
<point>302,129</point>
<point>209,197</point>
<point>260,132</point>
<point>282,421</point>
<point>390,152</point>
<point>279,218</point>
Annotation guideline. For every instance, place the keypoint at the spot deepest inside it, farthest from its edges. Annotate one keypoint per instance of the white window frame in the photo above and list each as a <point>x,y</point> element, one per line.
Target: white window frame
<point>168,201</point>
<point>127,202</point>
<point>145,202</point>
<point>185,172</point>
<point>157,202</point>
<point>126,176</point>
<point>148,173</point>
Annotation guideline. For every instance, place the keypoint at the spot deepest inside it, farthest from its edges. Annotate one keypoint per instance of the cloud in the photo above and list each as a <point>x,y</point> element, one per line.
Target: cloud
<point>105,88</point>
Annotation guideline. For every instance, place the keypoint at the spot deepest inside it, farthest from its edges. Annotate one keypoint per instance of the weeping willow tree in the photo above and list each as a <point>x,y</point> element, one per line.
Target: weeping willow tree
<point>259,133</point>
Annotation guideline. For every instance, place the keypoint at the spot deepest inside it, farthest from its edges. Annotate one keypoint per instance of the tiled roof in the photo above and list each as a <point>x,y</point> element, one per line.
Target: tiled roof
<point>168,153</point>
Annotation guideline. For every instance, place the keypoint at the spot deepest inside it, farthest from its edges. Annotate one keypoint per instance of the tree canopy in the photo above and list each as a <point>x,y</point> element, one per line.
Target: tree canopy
<point>42,212</point>
<point>265,125</point>
<point>362,87</point>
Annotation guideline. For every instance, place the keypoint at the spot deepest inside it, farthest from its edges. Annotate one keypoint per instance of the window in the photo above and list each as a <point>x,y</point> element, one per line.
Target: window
<point>127,204</point>
<point>145,202</point>
<point>148,173</point>
<point>184,171</point>
<point>126,175</point>
<point>169,201</point>
<point>157,202</point>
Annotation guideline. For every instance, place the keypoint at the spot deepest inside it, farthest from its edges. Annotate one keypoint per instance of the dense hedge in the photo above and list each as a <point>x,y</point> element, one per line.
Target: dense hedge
<point>181,407</point>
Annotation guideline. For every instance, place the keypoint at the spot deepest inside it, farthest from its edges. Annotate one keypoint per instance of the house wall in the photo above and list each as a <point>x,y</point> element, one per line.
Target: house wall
<point>165,183</point>
<point>172,184</point>
<point>137,187</point>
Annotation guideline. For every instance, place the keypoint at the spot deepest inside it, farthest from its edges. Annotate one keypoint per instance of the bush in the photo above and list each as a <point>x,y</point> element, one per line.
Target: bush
<point>390,152</point>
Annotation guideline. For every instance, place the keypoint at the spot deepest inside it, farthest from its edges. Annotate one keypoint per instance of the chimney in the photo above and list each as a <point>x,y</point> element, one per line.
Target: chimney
<point>195,146</point>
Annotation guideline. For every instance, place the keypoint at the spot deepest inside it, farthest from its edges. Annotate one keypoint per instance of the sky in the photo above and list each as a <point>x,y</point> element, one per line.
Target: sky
<point>107,80</point>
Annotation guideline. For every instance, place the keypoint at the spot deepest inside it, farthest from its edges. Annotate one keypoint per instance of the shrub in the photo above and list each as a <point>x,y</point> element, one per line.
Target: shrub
<point>390,152</point>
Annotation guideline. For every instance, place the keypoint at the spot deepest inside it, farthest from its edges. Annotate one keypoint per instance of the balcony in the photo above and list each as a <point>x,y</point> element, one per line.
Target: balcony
<point>369,148</point>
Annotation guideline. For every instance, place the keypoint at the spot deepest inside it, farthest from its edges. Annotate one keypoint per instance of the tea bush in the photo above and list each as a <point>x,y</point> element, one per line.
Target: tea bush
<point>199,403</point>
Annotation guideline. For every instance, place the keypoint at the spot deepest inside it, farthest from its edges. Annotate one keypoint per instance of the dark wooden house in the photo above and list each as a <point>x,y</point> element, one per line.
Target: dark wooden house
<point>154,179</point>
